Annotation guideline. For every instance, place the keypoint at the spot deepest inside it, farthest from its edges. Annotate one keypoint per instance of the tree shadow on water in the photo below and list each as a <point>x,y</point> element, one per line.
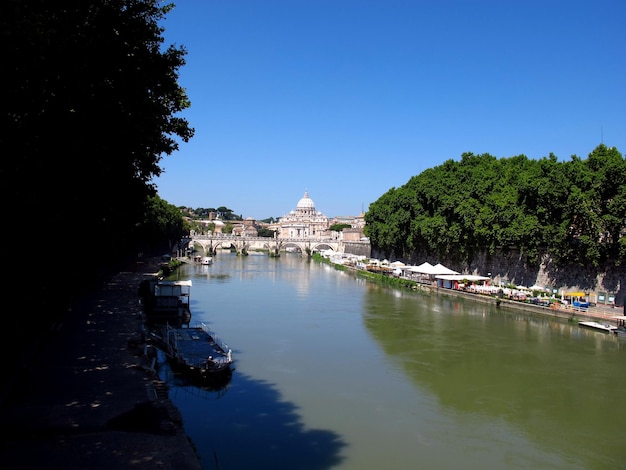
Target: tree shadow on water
<point>250,426</point>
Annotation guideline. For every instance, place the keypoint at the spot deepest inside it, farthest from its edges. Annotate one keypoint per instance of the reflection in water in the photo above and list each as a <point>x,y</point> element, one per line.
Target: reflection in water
<point>536,374</point>
<point>337,372</point>
<point>211,388</point>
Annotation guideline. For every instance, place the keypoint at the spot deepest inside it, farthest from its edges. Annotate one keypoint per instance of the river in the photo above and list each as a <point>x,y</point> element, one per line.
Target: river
<point>335,372</point>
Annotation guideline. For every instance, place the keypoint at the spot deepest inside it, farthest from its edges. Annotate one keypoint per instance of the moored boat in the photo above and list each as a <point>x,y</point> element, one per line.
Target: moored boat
<point>598,326</point>
<point>195,351</point>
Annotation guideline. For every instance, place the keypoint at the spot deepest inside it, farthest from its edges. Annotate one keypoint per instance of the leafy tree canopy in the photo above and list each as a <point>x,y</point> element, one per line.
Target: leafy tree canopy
<point>339,227</point>
<point>221,212</point>
<point>91,105</point>
<point>573,210</point>
<point>266,232</point>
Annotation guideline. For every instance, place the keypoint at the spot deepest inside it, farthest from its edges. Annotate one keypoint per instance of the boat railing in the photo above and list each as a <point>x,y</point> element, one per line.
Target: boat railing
<point>223,360</point>
<point>221,344</point>
<point>201,363</point>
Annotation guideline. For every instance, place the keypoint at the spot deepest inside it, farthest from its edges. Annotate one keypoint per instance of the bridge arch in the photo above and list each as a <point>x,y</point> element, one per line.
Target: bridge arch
<point>210,243</point>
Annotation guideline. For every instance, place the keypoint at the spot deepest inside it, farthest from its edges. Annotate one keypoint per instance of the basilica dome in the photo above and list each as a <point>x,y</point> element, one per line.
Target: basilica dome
<point>306,202</point>
<point>304,223</point>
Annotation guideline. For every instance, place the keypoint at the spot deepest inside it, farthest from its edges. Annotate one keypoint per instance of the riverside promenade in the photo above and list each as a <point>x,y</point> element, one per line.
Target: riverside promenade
<point>615,316</point>
<point>88,399</point>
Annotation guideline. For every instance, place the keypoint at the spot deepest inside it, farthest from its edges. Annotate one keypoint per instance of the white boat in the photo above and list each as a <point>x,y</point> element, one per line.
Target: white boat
<point>598,326</point>
<point>206,261</point>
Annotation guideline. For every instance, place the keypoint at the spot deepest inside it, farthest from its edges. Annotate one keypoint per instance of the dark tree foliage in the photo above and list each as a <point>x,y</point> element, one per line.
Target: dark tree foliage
<point>222,212</point>
<point>225,213</point>
<point>162,227</point>
<point>266,232</point>
<point>575,211</point>
<point>339,227</point>
<point>89,109</point>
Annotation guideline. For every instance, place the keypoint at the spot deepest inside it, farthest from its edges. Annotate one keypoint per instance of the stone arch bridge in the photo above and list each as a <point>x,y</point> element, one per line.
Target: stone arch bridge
<point>242,244</point>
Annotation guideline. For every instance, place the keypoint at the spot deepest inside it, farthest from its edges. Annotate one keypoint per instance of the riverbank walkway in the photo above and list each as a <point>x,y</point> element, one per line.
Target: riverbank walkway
<point>616,316</point>
<point>88,399</point>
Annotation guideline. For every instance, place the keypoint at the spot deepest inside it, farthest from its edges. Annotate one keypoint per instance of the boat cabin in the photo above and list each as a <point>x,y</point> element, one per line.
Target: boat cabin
<point>204,260</point>
<point>166,297</point>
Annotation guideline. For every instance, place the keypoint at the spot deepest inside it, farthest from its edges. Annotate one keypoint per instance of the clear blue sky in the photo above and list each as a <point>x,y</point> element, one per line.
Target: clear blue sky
<point>346,99</point>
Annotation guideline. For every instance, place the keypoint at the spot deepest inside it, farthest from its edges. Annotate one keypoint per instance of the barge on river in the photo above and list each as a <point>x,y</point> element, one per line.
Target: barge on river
<point>194,351</point>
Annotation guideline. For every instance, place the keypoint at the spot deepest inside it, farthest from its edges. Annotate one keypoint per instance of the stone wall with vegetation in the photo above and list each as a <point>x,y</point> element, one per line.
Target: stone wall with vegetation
<point>510,267</point>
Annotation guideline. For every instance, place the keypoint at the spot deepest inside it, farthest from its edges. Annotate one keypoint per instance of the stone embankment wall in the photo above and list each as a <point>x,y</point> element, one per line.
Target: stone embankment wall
<point>358,248</point>
<point>510,267</point>
<point>610,280</point>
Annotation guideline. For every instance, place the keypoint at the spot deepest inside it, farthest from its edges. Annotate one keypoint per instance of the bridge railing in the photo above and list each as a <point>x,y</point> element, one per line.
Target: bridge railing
<point>266,239</point>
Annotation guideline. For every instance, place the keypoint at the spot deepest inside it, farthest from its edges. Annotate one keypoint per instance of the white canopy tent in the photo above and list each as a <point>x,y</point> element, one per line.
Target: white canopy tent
<point>424,268</point>
<point>427,268</point>
<point>442,270</point>
<point>538,287</point>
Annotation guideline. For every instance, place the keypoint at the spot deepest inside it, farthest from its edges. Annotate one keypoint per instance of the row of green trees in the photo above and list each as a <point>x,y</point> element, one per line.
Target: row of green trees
<point>573,210</point>
<point>222,212</point>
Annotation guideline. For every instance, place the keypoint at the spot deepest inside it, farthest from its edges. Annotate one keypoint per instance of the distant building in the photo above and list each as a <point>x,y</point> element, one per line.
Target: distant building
<point>247,228</point>
<point>354,221</point>
<point>310,224</point>
<point>352,234</point>
<point>305,222</point>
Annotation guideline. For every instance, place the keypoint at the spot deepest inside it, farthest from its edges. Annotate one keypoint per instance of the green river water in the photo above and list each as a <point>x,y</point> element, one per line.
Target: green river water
<point>335,372</point>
